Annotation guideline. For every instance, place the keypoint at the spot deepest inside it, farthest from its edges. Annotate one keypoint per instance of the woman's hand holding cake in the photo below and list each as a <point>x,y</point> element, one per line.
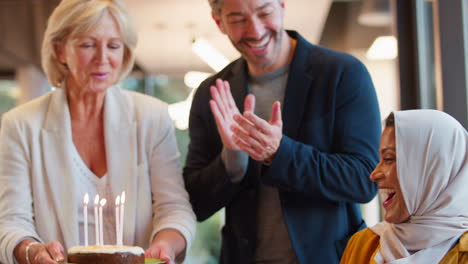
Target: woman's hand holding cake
<point>166,245</point>
<point>31,252</point>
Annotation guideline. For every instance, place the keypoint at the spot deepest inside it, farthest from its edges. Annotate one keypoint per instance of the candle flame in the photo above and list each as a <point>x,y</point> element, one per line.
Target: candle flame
<point>86,199</point>
<point>96,199</point>
<point>122,199</point>
<point>103,202</point>
<point>117,200</point>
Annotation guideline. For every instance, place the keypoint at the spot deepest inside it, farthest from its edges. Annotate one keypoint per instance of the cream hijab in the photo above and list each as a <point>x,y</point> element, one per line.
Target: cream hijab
<point>431,150</point>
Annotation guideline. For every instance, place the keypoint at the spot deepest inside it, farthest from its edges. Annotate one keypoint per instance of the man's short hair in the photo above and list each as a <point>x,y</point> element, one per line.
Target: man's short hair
<point>216,5</point>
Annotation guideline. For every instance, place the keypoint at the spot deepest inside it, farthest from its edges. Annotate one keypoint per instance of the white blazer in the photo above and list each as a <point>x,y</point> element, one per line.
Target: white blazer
<point>37,198</point>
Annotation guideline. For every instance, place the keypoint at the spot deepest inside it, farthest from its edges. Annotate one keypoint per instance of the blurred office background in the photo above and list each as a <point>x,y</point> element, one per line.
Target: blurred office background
<point>415,50</point>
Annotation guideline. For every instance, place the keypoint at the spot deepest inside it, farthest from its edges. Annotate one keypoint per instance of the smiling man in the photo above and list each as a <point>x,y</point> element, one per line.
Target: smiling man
<point>255,28</point>
<point>291,168</point>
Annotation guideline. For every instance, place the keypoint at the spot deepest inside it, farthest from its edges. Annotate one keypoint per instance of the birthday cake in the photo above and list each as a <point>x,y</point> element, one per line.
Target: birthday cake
<point>107,254</point>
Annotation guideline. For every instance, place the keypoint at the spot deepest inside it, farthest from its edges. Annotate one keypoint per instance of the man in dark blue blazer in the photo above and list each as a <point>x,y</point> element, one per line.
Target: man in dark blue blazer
<point>290,185</point>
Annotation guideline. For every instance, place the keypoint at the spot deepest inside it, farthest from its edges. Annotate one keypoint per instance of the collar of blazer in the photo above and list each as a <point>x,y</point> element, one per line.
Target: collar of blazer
<point>118,113</point>
<point>121,143</point>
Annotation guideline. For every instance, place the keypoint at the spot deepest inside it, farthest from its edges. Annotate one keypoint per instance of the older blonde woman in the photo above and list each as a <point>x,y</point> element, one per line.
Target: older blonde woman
<point>423,176</point>
<point>88,136</point>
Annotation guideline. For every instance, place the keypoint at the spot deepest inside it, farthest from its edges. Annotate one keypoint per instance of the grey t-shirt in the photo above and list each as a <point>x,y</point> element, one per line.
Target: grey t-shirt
<point>273,242</point>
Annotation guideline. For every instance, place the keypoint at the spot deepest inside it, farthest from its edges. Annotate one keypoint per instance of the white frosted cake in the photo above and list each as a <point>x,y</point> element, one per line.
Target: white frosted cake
<point>107,254</point>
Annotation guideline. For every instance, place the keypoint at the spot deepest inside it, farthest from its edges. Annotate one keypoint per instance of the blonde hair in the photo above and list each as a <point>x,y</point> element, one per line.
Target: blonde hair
<point>72,17</point>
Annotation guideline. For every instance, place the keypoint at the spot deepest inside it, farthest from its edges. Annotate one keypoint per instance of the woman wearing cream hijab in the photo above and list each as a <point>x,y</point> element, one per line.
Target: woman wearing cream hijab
<point>423,177</point>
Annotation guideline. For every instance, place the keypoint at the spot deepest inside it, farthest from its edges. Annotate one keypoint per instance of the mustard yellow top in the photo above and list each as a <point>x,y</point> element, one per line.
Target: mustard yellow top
<point>363,246</point>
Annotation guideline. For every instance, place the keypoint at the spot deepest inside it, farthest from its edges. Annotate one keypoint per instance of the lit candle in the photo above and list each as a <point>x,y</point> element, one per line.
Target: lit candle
<point>101,227</point>
<point>122,204</point>
<point>117,216</point>
<point>96,222</point>
<point>85,214</point>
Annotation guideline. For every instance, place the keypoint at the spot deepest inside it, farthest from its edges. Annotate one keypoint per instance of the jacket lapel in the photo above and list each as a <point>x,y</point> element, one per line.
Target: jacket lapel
<point>297,90</point>
<point>122,162</point>
<point>58,164</point>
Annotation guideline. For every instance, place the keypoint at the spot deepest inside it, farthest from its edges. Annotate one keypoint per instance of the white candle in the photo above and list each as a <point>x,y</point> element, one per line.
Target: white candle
<point>96,222</point>
<point>101,227</point>
<point>85,214</point>
<point>117,216</point>
<point>122,204</point>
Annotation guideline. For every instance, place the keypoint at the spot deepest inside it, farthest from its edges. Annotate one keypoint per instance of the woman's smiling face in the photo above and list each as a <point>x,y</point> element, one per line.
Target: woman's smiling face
<point>385,175</point>
<point>95,58</point>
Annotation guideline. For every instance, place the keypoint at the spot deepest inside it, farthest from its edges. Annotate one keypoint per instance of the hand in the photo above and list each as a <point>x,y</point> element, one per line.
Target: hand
<point>167,244</point>
<point>255,136</point>
<point>50,253</point>
<point>224,108</point>
<point>161,250</point>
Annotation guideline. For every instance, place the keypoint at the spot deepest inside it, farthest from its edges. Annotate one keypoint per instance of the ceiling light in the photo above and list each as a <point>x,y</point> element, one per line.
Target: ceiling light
<point>375,13</point>
<point>209,54</point>
<point>383,48</point>
<point>193,79</point>
<point>180,112</point>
